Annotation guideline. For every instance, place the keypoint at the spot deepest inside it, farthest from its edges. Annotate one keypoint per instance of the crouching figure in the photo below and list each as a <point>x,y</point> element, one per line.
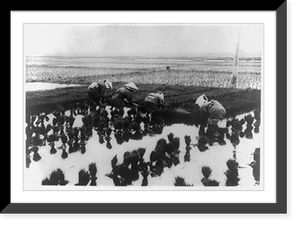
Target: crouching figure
<point>154,101</point>
<point>214,113</point>
<point>97,90</point>
<point>124,95</point>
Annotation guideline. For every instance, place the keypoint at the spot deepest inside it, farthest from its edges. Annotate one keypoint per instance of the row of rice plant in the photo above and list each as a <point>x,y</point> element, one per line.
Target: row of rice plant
<point>243,68</point>
<point>191,78</point>
<point>42,73</point>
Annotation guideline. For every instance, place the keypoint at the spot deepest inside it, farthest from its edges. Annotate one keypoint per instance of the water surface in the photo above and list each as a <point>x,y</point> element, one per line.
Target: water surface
<point>215,157</point>
<point>38,86</point>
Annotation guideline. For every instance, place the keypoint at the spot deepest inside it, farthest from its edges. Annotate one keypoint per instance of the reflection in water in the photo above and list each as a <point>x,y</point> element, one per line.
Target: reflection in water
<point>93,172</point>
<point>179,181</point>
<point>232,173</point>
<point>84,178</point>
<point>97,146</point>
<point>256,165</point>
<point>187,156</point>
<point>206,171</point>
<point>128,171</point>
<point>57,177</point>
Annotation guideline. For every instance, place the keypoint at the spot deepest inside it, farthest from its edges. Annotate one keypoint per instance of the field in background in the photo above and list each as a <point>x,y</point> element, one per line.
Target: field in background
<point>192,71</point>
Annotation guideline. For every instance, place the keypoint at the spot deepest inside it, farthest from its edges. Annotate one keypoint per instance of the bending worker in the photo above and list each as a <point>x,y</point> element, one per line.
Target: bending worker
<point>214,113</point>
<point>124,95</point>
<point>97,90</point>
<point>154,101</point>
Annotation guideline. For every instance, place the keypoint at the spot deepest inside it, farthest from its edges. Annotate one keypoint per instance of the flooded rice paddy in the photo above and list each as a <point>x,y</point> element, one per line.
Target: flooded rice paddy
<point>37,86</point>
<point>103,148</point>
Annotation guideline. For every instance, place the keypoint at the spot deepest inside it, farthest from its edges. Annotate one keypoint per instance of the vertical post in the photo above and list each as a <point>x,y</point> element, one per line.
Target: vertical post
<point>234,83</point>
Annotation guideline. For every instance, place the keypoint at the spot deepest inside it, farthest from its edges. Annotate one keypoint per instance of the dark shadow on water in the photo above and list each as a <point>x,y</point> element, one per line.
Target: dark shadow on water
<point>206,171</point>
<point>57,177</point>
<point>128,171</point>
<point>164,155</point>
<point>64,154</point>
<point>36,157</point>
<point>232,173</point>
<point>133,127</point>
<point>256,165</point>
<point>248,132</point>
<point>187,156</point>
<point>127,128</point>
<point>179,181</point>
<point>93,172</point>
<point>83,178</point>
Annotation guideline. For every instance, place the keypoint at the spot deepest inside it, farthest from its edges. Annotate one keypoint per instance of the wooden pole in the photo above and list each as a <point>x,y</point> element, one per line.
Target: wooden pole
<point>234,78</point>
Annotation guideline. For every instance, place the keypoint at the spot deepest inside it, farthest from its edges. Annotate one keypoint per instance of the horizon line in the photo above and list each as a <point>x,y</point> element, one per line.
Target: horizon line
<point>152,55</point>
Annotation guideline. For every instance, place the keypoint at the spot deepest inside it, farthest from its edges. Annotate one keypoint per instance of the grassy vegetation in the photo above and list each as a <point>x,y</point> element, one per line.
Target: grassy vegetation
<point>176,96</point>
<point>185,75</point>
<point>177,71</point>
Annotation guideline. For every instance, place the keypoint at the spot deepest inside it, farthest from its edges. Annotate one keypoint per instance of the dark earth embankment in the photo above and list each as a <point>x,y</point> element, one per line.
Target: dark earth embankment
<point>177,97</point>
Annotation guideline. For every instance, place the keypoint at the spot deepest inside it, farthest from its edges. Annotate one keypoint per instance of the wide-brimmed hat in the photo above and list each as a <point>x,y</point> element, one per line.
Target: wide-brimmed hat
<point>108,84</point>
<point>201,100</point>
<point>131,86</point>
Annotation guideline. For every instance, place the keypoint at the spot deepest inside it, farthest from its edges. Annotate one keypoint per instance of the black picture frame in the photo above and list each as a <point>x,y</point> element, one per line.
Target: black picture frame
<point>279,207</point>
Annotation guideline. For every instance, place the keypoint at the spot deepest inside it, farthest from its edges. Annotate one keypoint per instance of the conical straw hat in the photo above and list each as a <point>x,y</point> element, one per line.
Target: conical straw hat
<point>131,85</point>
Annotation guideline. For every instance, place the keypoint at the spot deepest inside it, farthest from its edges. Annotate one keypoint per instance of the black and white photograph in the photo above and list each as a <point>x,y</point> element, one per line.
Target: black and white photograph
<point>143,106</point>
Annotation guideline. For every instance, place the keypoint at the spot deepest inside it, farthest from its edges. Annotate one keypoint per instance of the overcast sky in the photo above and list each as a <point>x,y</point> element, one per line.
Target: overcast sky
<point>140,40</point>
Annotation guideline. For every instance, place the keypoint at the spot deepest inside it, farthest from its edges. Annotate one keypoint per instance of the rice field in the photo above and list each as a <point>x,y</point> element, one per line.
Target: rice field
<point>77,148</point>
<point>76,143</point>
<point>180,71</point>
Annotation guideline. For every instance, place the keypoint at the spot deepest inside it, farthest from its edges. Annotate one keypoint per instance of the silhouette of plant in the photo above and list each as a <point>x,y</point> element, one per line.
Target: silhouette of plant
<point>179,181</point>
<point>57,177</point>
<point>232,173</point>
